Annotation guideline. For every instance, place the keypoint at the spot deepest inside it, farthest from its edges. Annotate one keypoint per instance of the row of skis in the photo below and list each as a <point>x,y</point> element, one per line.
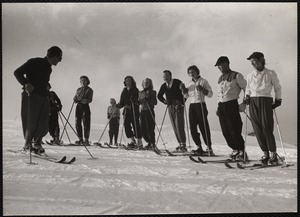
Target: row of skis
<point>194,157</point>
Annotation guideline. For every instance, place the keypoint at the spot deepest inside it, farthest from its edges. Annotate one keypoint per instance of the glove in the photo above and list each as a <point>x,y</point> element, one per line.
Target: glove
<point>59,107</point>
<point>28,87</point>
<point>199,88</point>
<point>276,103</point>
<point>242,107</point>
<point>247,100</point>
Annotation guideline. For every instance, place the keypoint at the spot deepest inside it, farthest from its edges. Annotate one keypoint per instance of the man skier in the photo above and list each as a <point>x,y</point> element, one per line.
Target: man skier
<point>35,102</point>
<point>175,102</point>
<point>258,96</point>
<point>197,89</point>
<point>230,85</point>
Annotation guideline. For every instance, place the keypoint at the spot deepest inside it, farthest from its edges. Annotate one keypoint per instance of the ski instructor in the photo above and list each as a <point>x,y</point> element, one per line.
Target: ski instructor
<point>35,102</point>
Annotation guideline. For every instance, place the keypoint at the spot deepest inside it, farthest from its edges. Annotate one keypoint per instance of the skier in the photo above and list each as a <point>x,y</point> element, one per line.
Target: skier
<point>35,102</point>
<point>147,99</point>
<point>174,101</point>
<point>113,114</point>
<point>258,96</point>
<point>197,89</point>
<point>230,85</point>
<point>55,108</point>
<point>129,100</point>
<point>83,97</point>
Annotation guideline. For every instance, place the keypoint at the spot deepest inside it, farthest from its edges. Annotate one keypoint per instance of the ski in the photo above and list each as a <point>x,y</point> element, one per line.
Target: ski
<point>258,166</point>
<point>179,154</point>
<point>61,144</point>
<point>46,157</point>
<point>110,146</point>
<point>200,160</point>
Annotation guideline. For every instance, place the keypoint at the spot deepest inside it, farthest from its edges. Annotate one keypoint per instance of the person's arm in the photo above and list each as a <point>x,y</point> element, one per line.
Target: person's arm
<point>89,95</point>
<point>160,94</point>
<point>207,91</point>
<point>19,74</point>
<point>153,99</point>
<point>277,89</point>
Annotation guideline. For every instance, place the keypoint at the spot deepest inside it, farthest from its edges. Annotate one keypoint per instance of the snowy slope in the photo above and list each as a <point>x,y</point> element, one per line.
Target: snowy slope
<point>137,182</point>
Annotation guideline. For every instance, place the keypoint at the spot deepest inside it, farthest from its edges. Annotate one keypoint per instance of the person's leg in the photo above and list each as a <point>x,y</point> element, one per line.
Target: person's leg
<point>78,120</point>
<point>194,120</point>
<point>203,124</point>
<point>87,122</point>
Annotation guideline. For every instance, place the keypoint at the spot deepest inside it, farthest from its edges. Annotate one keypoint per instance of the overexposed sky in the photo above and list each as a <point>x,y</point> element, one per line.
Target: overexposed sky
<point>108,41</point>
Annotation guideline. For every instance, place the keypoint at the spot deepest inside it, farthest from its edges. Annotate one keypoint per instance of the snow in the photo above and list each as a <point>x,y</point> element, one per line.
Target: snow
<point>120,182</point>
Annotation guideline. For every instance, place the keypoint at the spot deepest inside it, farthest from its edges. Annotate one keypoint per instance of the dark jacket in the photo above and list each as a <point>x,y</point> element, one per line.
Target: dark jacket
<point>37,71</point>
<point>173,95</point>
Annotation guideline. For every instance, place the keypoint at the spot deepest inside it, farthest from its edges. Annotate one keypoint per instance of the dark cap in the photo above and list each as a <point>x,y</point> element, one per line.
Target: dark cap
<point>255,55</point>
<point>221,60</point>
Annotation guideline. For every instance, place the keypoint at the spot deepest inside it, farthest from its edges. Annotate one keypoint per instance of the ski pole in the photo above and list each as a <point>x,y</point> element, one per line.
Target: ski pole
<point>161,127</point>
<point>154,121</point>
<point>67,119</point>
<point>187,123</point>
<point>66,129</point>
<point>106,125</point>
<point>204,122</point>
<point>245,154</point>
<point>29,129</point>
<point>280,137</point>
<point>77,134</point>
<point>122,126</point>
<point>134,120</point>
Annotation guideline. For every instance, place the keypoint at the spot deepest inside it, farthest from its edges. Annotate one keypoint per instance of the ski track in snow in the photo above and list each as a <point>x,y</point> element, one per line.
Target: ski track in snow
<point>140,182</point>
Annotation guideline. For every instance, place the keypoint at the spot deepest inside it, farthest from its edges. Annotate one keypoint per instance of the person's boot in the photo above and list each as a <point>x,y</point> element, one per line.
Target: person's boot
<point>273,158</point>
<point>265,158</point>
<point>234,154</point>
<point>79,142</point>
<point>38,149</point>
<point>140,143</point>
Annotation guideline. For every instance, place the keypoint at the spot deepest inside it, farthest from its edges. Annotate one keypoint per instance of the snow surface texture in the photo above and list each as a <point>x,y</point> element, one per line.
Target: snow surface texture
<point>140,182</point>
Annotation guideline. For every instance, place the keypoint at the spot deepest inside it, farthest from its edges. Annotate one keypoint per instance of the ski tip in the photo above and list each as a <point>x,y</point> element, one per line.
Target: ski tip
<point>228,165</point>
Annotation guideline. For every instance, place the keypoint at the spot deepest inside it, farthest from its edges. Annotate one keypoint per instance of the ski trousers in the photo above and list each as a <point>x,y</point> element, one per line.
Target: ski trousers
<point>114,129</point>
<point>36,108</point>
<point>83,114</point>
<point>53,124</point>
<point>148,125</point>
<point>198,118</point>
<point>231,124</point>
<point>261,113</point>
<point>132,122</point>
<point>176,113</point>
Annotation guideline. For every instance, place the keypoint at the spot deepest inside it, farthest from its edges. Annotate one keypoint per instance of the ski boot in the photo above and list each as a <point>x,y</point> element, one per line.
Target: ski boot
<point>25,148</point>
<point>38,149</point>
<point>181,148</point>
<point>242,156</point>
<point>79,142</point>
<point>149,146</point>
<point>273,159</point>
<point>209,151</point>
<point>234,154</point>
<point>132,146</point>
<point>265,158</point>
<point>199,151</point>
<point>86,142</point>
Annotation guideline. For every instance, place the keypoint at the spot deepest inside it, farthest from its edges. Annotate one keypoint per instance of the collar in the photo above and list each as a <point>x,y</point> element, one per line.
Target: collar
<point>169,84</point>
<point>195,80</point>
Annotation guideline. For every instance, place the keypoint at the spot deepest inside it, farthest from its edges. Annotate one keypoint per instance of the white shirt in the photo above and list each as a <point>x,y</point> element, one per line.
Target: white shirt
<point>195,95</point>
<point>261,83</point>
<point>230,90</point>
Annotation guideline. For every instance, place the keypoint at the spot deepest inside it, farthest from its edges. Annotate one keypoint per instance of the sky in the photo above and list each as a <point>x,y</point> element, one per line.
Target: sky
<point>108,41</point>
